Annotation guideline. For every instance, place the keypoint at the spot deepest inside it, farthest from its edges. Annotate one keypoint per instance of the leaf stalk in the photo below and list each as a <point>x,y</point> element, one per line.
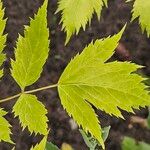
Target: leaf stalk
<point>28,92</point>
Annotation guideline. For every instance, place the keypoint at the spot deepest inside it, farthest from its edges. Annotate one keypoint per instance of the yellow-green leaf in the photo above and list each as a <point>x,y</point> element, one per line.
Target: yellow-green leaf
<point>77,13</point>
<point>80,110</point>
<point>41,145</point>
<point>2,37</point>
<point>4,128</point>
<point>32,50</point>
<point>141,10</point>
<point>31,113</point>
<point>89,79</point>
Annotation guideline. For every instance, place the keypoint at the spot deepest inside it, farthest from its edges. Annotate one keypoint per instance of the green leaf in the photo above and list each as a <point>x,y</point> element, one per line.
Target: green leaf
<point>32,50</point>
<point>4,128</point>
<point>41,145</point>
<point>141,10</point>
<point>89,140</point>
<point>88,79</point>
<point>2,37</point>
<point>51,146</point>
<point>130,144</point>
<point>92,143</point>
<point>105,132</point>
<point>77,13</point>
<point>32,113</point>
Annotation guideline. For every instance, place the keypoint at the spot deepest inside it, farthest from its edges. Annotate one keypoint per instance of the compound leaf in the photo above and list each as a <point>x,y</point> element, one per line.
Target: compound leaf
<point>31,113</point>
<point>2,37</point>
<point>77,13</point>
<point>89,79</point>
<point>4,128</point>
<point>41,145</point>
<point>141,10</point>
<point>32,50</point>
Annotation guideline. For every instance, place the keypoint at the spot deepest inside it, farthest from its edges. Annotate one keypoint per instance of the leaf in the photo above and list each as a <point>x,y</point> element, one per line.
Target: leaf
<point>92,143</point>
<point>51,146</point>
<point>89,140</point>
<point>84,115</point>
<point>141,10</point>
<point>41,145</point>
<point>4,128</point>
<point>32,113</point>
<point>105,132</point>
<point>32,50</point>
<point>77,13</point>
<point>130,144</point>
<point>88,79</point>
<point>2,37</point>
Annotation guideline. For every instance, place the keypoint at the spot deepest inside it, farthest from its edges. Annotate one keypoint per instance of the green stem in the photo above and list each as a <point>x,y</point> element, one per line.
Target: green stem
<point>28,92</point>
<point>41,89</point>
<point>10,98</point>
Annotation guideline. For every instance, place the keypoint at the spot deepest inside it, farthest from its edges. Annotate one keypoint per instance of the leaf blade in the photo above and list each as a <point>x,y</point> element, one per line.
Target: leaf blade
<point>79,114</point>
<point>91,142</point>
<point>141,10</point>
<point>31,113</point>
<point>77,13</point>
<point>32,50</point>
<point>106,85</point>
<point>4,128</point>
<point>51,146</point>
<point>2,37</point>
<point>41,145</point>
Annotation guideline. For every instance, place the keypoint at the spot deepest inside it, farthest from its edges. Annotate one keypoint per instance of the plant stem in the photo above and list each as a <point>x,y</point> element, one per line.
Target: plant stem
<point>9,98</point>
<point>28,92</point>
<point>41,89</point>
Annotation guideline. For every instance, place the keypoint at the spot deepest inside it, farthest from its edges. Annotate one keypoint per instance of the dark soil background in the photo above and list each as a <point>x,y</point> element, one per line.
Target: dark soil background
<point>134,46</point>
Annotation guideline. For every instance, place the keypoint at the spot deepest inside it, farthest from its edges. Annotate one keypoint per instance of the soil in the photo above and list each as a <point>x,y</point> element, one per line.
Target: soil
<point>134,46</point>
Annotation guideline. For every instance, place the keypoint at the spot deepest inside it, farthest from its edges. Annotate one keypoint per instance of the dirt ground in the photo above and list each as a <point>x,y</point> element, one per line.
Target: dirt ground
<point>134,46</point>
